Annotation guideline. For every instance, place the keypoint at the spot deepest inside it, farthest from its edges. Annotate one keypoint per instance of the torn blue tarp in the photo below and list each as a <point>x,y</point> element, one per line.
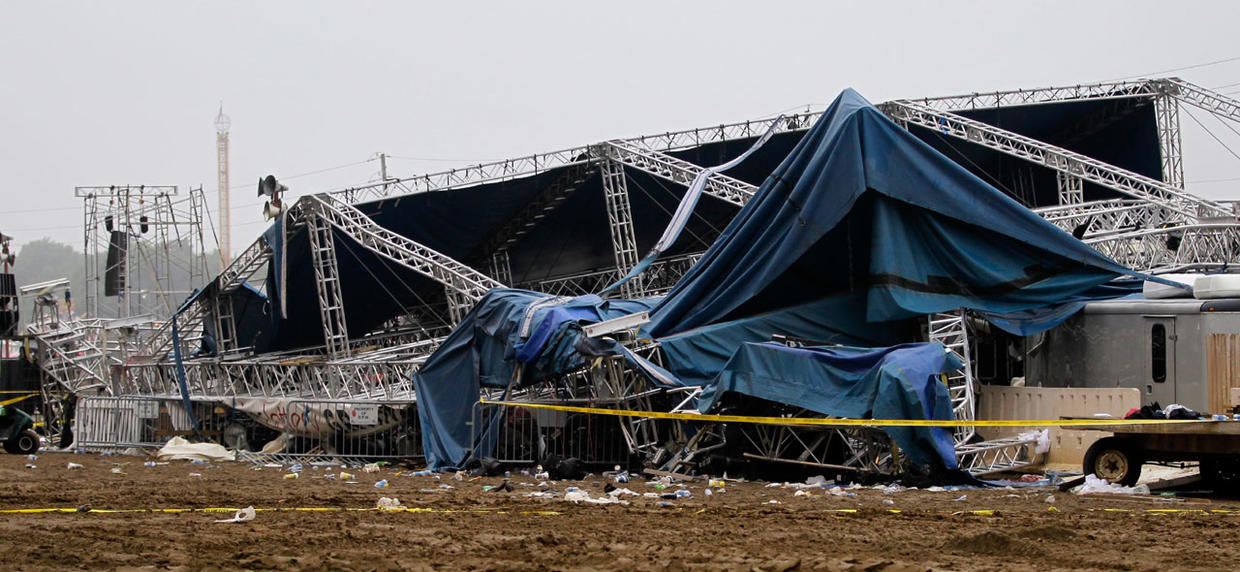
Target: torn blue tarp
<point>506,328</point>
<point>862,206</point>
<point>899,382</point>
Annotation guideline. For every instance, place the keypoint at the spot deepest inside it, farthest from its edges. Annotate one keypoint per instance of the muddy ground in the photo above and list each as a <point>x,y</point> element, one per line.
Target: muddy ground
<point>748,527</point>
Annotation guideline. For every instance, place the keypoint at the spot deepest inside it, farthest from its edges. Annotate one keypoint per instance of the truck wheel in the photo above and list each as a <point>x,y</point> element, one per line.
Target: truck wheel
<point>26,443</point>
<point>1114,460</point>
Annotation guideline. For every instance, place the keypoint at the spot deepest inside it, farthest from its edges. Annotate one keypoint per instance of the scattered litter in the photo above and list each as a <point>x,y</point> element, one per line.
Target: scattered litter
<point>840,492</point>
<point>961,499</point>
<point>75,466</point>
<point>1093,484</point>
<point>244,515</point>
<point>891,489</point>
<point>347,476</point>
<point>773,501</point>
<point>446,486</point>
<point>274,466</point>
<point>115,470</point>
<point>373,468</point>
<point>576,495</point>
<point>195,474</point>
<point>802,493</point>
<point>381,483</point>
<point>291,476</point>
<point>386,503</point>
<point>34,467</point>
<point>423,473</point>
<point>32,457</point>
<point>178,448</point>
<point>1049,499</point>
<point>816,481</point>
<point>707,492</point>
<point>460,475</point>
<point>888,501</point>
<point>935,489</point>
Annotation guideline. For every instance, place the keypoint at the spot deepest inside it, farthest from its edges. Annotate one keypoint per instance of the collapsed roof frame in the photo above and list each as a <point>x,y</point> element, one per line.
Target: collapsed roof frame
<point>1155,204</point>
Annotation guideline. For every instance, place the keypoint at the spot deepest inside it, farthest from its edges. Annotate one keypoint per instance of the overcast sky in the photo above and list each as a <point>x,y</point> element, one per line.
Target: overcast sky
<point>127,92</point>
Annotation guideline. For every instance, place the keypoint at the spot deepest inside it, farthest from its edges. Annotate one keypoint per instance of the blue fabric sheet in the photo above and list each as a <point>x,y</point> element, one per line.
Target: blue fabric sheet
<point>899,382</point>
<point>863,206</point>
<point>485,349</point>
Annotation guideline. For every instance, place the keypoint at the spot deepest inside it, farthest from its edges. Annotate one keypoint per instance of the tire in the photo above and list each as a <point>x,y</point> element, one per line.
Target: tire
<point>1115,460</point>
<point>26,443</point>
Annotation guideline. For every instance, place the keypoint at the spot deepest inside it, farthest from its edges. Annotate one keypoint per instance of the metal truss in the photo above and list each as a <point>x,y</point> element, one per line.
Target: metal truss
<point>658,279</point>
<point>190,319</point>
<point>1106,218</point>
<point>996,456</point>
<point>327,286</point>
<point>1187,205</point>
<point>1071,189</point>
<point>1167,116</point>
<point>353,223</point>
<point>1216,103</point>
<point>370,373</point>
<point>951,330</point>
<point>1170,248</point>
<point>533,164</point>
<point>847,450</point>
<point>678,171</point>
<point>1008,98</point>
<point>620,222</point>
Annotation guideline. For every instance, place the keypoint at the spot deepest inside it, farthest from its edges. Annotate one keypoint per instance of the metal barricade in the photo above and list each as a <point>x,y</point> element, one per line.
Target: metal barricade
<point>107,423</point>
<point>526,436</point>
<point>259,429</point>
<point>351,431</point>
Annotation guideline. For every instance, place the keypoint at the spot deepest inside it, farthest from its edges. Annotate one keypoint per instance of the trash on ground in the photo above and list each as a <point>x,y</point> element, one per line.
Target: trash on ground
<point>75,466</point>
<point>385,503</point>
<point>244,515</point>
<point>178,448</point>
<point>1093,484</point>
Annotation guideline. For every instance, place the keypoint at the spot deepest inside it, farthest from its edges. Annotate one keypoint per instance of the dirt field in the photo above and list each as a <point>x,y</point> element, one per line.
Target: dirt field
<point>750,526</point>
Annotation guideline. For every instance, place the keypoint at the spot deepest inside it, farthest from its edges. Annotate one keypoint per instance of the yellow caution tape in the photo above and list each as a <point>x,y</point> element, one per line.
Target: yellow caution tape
<point>295,509</point>
<point>845,422</point>
<point>497,511</point>
<point>9,402</point>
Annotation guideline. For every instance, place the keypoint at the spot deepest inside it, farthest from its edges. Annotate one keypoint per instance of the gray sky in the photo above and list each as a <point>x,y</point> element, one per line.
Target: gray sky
<point>120,92</point>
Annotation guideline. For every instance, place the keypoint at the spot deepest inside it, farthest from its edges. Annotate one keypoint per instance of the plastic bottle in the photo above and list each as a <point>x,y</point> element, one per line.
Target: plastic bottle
<point>683,493</point>
<point>347,476</point>
<point>291,476</point>
<point>425,473</point>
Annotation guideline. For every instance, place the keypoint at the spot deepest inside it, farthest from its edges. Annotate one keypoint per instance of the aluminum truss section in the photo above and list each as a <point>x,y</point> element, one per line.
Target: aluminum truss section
<point>658,278</point>
<point>190,319</point>
<point>951,330</point>
<point>469,283</point>
<point>620,222</point>
<point>1015,97</point>
<point>1071,189</point>
<point>849,450</point>
<point>538,163</point>
<point>678,171</point>
<point>1167,115</point>
<point>1106,218</point>
<point>327,286</point>
<point>1187,205</point>
<point>996,456</point>
<point>1200,97</point>
<point>1183,247</point>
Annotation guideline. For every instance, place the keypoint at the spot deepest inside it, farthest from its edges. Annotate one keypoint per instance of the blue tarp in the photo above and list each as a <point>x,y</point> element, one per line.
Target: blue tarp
<point>861,207</point>
<point>899,382</point>
<point>484,351</point>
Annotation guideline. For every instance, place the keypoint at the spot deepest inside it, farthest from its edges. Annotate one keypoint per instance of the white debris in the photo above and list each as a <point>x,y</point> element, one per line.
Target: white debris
<point>385,503</point>
<point>1093,484</point>
<point>244,515</point>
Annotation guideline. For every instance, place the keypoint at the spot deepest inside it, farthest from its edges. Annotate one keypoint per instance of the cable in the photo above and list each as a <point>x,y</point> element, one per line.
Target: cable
<point>1192,67</point>
<point>1202,125</point>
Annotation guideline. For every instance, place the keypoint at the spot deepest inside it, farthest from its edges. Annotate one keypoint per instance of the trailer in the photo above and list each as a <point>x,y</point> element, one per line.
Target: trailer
<point>1118,458</point>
